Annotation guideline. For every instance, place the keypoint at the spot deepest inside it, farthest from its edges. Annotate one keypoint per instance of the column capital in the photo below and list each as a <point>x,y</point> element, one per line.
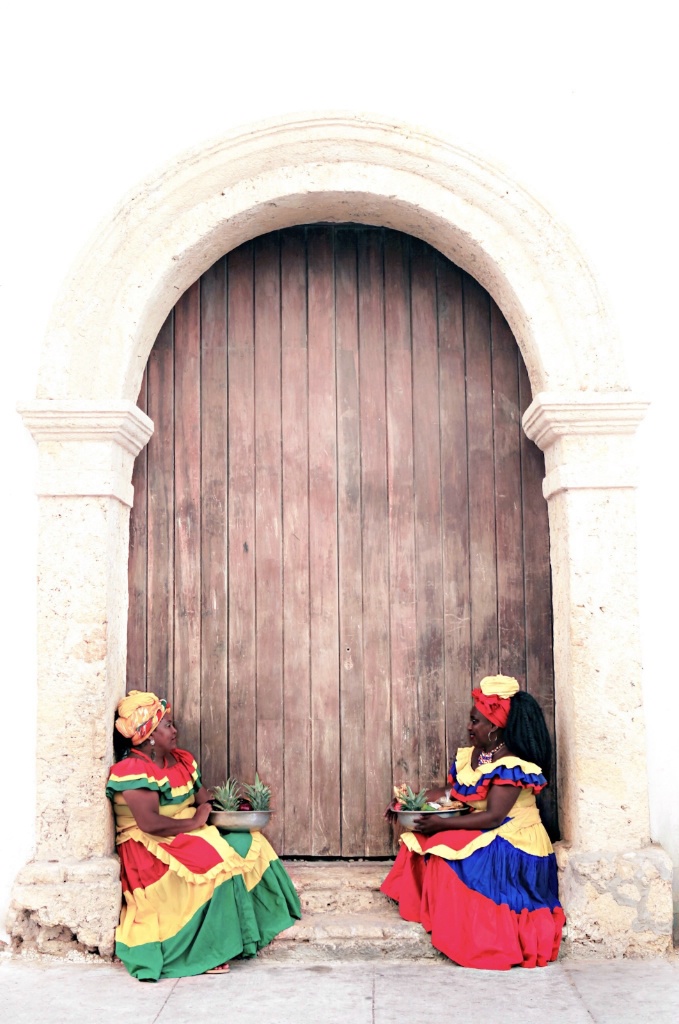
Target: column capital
<point>87,447</point>
<point>87,420</point>
<point>554,415</point>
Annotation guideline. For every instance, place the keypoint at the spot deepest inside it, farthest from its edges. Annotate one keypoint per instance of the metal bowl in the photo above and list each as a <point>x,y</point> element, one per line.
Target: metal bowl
<point>240,821</point>
<point>407,818</point>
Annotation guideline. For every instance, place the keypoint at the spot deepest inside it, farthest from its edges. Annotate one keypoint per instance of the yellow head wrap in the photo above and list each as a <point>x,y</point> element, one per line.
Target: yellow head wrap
<point>493,696</point>
<point>138,715</point>
<point>499,686</point>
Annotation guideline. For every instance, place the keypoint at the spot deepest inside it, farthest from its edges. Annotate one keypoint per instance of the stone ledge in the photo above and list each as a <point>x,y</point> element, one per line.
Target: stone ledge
<point>61,906</point>
<point>617,903</point>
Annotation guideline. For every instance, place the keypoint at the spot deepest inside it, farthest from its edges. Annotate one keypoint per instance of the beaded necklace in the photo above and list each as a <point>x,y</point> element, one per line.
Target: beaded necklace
<point>486,756</point>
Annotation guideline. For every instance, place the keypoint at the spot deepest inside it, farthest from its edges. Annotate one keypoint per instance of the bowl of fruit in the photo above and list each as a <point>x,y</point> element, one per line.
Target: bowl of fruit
<point>409,806</point>
<point>239,807</point>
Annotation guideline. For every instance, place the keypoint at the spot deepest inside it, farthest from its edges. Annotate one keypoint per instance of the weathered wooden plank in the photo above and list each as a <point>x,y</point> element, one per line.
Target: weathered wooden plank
<point>242,710</point>
<point>137,566</point>
<point>294,791</point>
<point>187,578</point>
<point>508,513</point>
<point>375,515</point>
<point>325,833</point>
<point>268,496</point>
<point>214,600</point>
<point>454,504</point>
<point>403,633</point>
<point>482,548</point>
<point>538,591</point>
<point>427,456</point>
<point>160,614</point>
<point>350,548</point>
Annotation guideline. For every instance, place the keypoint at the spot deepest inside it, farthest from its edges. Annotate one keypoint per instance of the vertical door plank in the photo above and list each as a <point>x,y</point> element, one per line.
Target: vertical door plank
<point>350,538</point>
<point>187,594</point>
<point>538,588</point>
<point>375,508</point>
<point>482,549</point>
<point>325,833</point>
<point>508,513</point>
<point>242,710</point>
<point>454,504</point>
<point>160,616</point>
<point>427,457</point>
<point>403,634</point>
<point>268,548</point>
<point>537,573</point>
<point>295,791</point>
<point>214,604</point>
<point>137,567</point>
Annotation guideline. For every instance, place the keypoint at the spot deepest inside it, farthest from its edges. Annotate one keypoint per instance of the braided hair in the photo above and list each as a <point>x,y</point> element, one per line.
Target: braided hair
<point>525,733</point>
<point>121,745</point>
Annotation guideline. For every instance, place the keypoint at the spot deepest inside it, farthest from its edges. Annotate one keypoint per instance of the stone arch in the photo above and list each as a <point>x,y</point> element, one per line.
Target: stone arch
<point>161,239</point>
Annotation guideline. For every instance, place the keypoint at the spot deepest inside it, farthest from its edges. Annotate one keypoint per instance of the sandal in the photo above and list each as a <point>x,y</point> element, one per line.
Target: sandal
<point>221,969</point>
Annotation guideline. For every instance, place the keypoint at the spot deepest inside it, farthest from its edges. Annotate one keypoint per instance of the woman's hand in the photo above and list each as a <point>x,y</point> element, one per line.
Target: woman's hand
<point>201,815</point>
<point>390,812</point>
<point>429,824</point>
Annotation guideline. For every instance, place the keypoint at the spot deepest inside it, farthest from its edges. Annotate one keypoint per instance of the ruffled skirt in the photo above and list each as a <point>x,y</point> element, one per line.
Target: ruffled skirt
<point>199,899</point>
<point>493,907</point>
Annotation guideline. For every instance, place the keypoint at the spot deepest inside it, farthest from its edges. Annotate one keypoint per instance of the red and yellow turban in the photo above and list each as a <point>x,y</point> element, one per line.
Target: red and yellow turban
<point>139,714</point>
<point>493,696</point>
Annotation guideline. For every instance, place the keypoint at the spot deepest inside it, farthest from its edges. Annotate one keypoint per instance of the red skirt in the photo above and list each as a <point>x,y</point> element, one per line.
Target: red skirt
<point>480,928</point>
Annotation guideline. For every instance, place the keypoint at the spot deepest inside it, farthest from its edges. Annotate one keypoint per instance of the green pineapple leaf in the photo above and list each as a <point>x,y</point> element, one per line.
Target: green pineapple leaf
<point>258,795</point>
<point>413,801</point>
<point>226,797</point>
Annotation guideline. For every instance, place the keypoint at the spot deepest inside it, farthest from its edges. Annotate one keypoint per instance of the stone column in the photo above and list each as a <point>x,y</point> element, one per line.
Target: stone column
<point>614,884</point>
<point>70,892</point>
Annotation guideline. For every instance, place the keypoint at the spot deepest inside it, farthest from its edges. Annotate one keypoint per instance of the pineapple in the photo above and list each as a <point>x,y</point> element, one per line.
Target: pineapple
<point>409,801</point>
<point>258,796</point>
<point>227,796</point>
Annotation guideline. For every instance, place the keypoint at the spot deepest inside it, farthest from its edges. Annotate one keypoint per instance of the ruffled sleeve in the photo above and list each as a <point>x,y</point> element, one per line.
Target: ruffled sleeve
<point>173,784</point>
<point>469,784</point>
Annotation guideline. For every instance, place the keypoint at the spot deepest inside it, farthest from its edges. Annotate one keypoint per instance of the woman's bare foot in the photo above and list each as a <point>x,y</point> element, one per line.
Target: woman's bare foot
<point>222,969</point>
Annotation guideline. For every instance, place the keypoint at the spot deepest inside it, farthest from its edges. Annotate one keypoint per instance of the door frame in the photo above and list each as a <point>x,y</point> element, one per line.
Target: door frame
<point>164,235</point>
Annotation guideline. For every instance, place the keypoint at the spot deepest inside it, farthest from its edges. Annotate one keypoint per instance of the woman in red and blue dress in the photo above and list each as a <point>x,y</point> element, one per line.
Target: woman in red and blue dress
<point>485,883</point>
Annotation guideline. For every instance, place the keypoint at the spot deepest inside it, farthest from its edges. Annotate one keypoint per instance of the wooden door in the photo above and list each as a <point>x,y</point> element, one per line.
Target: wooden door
<point>338,524</point>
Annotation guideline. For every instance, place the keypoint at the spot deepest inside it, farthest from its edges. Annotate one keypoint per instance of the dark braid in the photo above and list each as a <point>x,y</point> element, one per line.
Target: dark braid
<point>121,745</point>
<point>525,733</point>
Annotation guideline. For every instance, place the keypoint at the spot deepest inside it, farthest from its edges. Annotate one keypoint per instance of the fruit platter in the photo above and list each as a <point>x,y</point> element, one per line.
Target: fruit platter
<point>408,806</point>
<point>239,807</point>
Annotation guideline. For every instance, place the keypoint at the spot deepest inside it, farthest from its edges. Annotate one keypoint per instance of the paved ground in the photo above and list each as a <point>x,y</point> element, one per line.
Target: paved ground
<point>568,992</point>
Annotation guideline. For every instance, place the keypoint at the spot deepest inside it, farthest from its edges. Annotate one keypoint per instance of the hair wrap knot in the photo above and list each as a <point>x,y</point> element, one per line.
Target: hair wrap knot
<point>493,697</point>
<point>138,715</point>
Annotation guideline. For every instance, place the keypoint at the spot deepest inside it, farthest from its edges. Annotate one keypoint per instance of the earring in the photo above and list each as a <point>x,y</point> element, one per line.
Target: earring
<point>489,735</point>
<point>152,742</point>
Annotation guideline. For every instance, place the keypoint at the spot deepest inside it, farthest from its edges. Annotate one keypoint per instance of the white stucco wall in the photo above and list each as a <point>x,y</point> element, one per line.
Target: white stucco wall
<point>577,106</point>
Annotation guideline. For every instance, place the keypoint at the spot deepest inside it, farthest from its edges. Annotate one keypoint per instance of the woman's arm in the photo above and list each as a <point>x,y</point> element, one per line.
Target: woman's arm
<point>144,805</point>
<point>202,797</point>
<point>501,799</point>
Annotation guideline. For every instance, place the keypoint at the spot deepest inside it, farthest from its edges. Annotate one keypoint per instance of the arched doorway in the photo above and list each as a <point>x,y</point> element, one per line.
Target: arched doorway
<point>163,237</point>
<point>338,524</point>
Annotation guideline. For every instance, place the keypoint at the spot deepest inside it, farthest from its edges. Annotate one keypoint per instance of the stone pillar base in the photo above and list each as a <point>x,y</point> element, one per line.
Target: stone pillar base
<point>617,904</point>
<point>61,906</point>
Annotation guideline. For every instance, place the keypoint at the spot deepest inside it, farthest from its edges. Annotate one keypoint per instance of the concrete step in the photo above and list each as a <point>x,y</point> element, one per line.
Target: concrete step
<point>345,917</point>
<point>340,887</point>
<point>347,937</point>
